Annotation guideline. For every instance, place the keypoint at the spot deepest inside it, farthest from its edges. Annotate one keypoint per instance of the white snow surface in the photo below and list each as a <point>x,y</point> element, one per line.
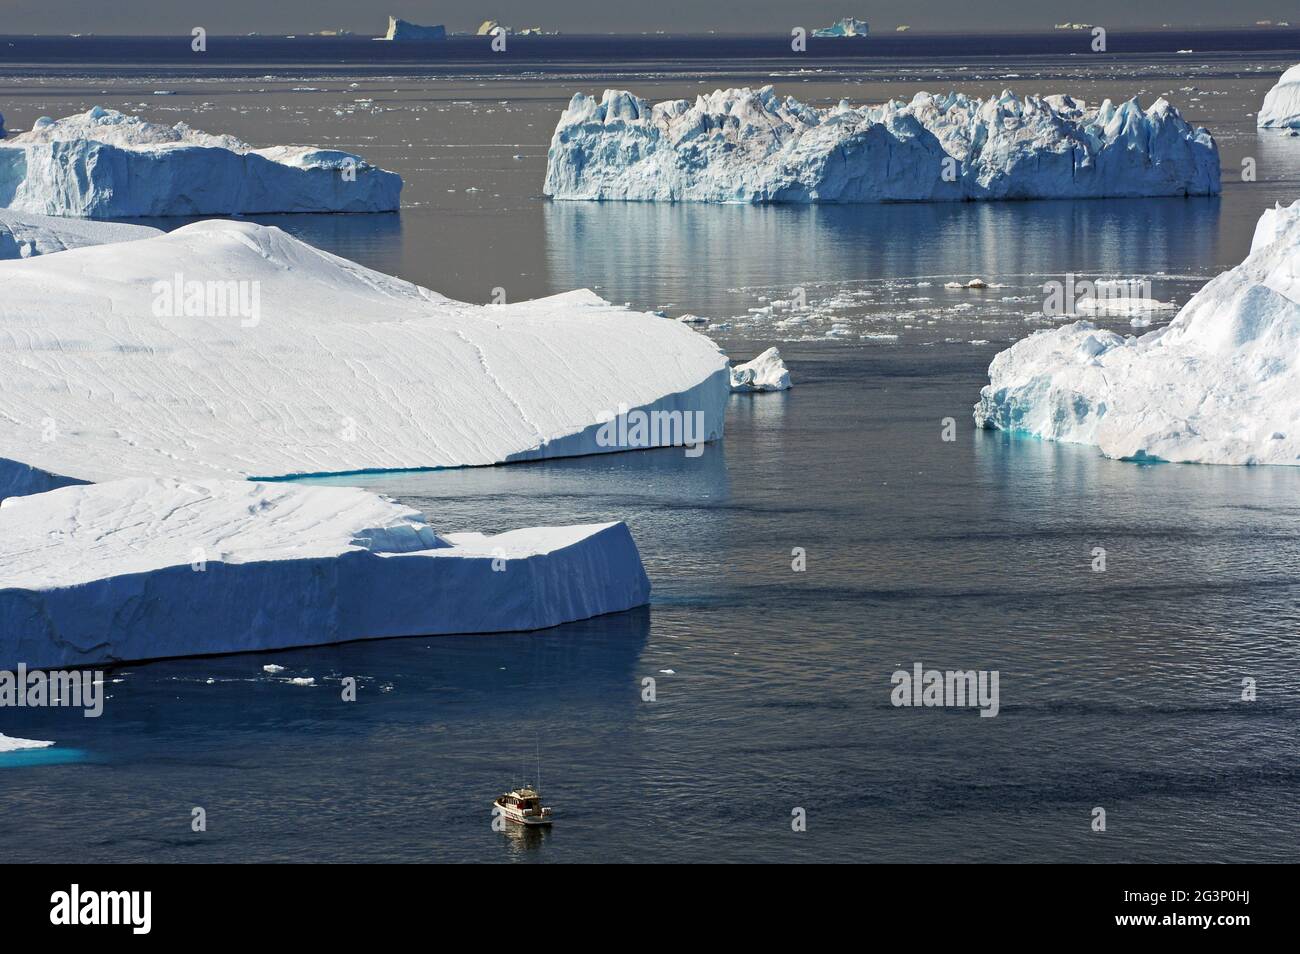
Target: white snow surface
<point>147,567</point>
<point>767,372</point>
<point>10,744</point>
<point>1217,385</point>
<point>105,164</point>
<point>745,145</point>
<point>1281,107</point>
<point>344,369</point>
<point>23,234</point>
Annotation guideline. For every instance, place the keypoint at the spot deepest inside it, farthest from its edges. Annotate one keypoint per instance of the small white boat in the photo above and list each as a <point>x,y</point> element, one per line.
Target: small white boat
<point>524,806</point>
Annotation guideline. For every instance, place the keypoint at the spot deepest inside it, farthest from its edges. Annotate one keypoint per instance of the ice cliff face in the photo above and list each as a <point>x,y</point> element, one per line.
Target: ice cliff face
<point>1218,385</point>
<point>23,235</point>
<point>1281,107</point>
<point>232,350</point>
<point>743,145</point>
<point>103,164</point>
<point>142,568</point>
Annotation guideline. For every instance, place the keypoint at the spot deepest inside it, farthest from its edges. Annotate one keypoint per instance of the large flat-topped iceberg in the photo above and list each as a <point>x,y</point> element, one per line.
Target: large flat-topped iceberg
<point>104,164</point>
<point>23,234</point>
<point>146,568</point>
<point>1281,107</point>
<point>404,30</point>
<point>1218,385</point>
<point>743,145</point>
<point>228,349</point>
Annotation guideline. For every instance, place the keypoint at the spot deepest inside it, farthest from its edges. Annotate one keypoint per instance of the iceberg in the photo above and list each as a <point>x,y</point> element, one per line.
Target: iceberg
<point>10,744</point>
<point>1217,385</point>
<point>104,164</point>
<point>1281,107</point>
<point>231,350</point>
<point>845,26</point>
<point>23,235</point>
<point>743,145</point>
<point>767,372</point>
<point>405,30</point>
<point>144,568</point>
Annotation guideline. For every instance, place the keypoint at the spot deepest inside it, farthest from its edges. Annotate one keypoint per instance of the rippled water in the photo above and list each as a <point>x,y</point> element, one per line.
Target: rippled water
<point>1119,689</point>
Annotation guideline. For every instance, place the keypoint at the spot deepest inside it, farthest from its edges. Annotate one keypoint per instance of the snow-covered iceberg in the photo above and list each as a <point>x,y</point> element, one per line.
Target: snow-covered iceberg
<point>845,26</point>
<point>104,164</point>
<point>1217,385</point>
<point>23,235</point>
<point>146,568</point>
<point>767,372</point>
<point>1281,107</point>
<point>405,30</point>
<point>743,145</point>
<point>232,350</point>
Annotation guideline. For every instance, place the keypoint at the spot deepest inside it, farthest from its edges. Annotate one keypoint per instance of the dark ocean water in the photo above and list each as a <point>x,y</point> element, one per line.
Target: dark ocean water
<point>1119,689</point>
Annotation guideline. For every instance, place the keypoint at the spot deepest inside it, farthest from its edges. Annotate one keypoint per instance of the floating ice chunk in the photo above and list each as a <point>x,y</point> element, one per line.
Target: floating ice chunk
<point>104,164</point>
<point>845,26</point>
<point>311,364</point>
<point>23,234</point>
<point>9,744</point>
<point>744,145</point>
<point>302,681</point>
<point>767,372</point>
<point>272,668</point>
<point>1216,385</point>
<point>1282,103</point>
<point>143,568</point>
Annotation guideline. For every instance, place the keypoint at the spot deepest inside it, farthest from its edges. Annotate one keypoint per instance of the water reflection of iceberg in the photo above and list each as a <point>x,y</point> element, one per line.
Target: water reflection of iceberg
<point>691,254</point>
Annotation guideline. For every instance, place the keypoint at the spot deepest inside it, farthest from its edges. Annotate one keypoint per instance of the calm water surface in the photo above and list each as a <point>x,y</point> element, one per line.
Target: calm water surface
<point>1119,689</point>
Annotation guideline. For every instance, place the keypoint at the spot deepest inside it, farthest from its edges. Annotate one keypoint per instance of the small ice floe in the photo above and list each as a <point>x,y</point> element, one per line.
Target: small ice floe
<point>973,283</point>
<point>668,672</point>
<point>272,668</point>
<point>8,744</point>
<point>302,681</point>
<point>1118,307</point>
<point>767,372</point>
<point>692,320</point>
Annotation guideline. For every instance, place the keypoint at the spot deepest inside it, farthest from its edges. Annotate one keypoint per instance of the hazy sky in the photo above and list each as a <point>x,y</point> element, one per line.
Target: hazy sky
<point>601,16</point>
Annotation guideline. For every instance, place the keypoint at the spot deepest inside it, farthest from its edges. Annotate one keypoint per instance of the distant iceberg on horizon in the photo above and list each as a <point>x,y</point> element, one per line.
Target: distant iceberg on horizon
<point>148,568</point>
<point>751,146</point>
<point>1217,385</point>
<point>404,30</point>
<point>844,27</point>
<point>1281,109</point>
<point>105,164</point>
